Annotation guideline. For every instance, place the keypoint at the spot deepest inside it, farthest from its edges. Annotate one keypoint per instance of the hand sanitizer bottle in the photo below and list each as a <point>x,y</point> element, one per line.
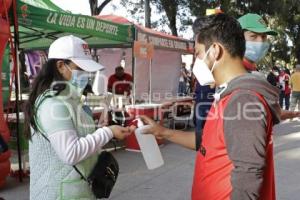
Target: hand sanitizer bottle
<point>149,147</point>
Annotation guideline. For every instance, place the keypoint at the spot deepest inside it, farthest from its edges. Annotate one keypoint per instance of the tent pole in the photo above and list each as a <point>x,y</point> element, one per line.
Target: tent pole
<point>134,78</point>
<point>150,80</point>
<point>17,87</point>
<point>135,38</point>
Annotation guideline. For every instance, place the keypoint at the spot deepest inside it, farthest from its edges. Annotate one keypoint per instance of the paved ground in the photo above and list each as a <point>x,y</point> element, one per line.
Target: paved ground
<point>173,180</point>
<point>287,160</point>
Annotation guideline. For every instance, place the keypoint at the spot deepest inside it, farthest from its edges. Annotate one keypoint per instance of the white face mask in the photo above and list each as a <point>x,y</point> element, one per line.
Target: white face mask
<point>202,72</point>
<point>276,73</point>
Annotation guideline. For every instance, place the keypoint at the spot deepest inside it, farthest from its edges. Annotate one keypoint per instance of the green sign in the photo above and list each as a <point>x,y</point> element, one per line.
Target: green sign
<point>39,23</point>
<point>5,76</point>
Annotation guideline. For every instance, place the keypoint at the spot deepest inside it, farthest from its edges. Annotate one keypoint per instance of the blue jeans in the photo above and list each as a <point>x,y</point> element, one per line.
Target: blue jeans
<point>182,88</point>
<point>286,98</point>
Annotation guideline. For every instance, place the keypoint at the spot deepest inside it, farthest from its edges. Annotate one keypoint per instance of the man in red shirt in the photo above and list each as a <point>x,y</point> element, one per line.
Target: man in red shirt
<point>235,160</point>
<point>120,82</point>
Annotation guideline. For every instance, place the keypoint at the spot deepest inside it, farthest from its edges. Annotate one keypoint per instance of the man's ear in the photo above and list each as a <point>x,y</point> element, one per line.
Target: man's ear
<point>217,51</point>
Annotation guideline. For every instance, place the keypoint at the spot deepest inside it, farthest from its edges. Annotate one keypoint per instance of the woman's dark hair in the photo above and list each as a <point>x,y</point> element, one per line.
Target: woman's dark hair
<point>43,81</point>
<point>220,28</point>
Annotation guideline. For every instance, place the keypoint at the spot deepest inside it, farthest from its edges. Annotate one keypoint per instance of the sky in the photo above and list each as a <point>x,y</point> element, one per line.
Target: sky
<point>83,7</point>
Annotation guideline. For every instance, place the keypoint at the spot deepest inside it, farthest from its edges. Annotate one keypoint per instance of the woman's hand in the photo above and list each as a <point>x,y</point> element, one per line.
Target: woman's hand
<point>155,129</point>
<point>120,132</point>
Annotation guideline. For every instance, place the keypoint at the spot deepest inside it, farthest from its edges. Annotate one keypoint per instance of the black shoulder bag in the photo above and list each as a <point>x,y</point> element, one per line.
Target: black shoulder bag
<point>103,176</point>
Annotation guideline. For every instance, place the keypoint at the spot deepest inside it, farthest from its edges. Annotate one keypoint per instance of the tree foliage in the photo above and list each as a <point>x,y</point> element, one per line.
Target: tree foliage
<point>171,8</point>
<point>176,12</point>
<point>282,15</point>
<point>136,9</point>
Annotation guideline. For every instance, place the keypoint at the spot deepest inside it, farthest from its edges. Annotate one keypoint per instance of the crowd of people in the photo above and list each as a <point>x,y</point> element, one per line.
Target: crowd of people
<point>288,83</point>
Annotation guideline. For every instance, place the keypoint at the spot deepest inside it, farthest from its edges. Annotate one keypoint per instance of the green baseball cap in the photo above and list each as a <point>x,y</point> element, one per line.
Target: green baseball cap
<point>255,23</point>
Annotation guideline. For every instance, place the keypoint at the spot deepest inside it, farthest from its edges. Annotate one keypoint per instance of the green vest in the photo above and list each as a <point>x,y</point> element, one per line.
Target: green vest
<point>50,178</point>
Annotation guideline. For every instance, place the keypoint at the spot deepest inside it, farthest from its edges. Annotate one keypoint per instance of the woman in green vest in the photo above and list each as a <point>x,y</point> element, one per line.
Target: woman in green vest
<point>61,133</point>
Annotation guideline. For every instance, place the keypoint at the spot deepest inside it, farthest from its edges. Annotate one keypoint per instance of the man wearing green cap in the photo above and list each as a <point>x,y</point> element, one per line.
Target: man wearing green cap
<point>255,32</point>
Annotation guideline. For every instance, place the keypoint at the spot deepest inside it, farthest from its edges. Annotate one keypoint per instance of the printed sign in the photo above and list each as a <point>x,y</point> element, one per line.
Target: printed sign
<point>31,16</point>
<point>163,42</point>
<point>143,50</point>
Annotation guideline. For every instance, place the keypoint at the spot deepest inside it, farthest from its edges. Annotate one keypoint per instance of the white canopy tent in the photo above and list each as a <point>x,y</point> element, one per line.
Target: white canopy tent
<point>165,71</point>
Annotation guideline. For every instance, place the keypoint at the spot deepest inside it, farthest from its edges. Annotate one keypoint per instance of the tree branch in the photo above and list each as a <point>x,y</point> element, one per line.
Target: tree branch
<point>93,6</point>
<point>100,8</point>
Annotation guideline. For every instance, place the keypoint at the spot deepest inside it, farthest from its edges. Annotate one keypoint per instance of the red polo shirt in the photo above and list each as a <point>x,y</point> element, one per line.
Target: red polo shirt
<point>120,85</point>
<point>213,167</point>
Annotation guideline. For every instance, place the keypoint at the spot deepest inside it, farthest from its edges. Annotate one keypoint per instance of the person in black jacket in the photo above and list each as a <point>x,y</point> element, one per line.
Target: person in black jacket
<point>273,76</point>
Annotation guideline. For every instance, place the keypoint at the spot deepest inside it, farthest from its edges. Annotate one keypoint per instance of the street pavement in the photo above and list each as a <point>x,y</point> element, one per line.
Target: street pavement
<point>287,160</point>
<point>173,180</point>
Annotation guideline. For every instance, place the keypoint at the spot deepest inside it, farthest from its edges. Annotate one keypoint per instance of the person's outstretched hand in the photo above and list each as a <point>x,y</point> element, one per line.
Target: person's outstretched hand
<point>286,114</point>
<point>155,129</point>
<point>297,113</point>
<point>120,132</point>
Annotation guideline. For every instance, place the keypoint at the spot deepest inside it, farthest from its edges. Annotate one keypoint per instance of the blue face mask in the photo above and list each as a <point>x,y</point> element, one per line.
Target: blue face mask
<point>79,78</point>
<point>255,51</point>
